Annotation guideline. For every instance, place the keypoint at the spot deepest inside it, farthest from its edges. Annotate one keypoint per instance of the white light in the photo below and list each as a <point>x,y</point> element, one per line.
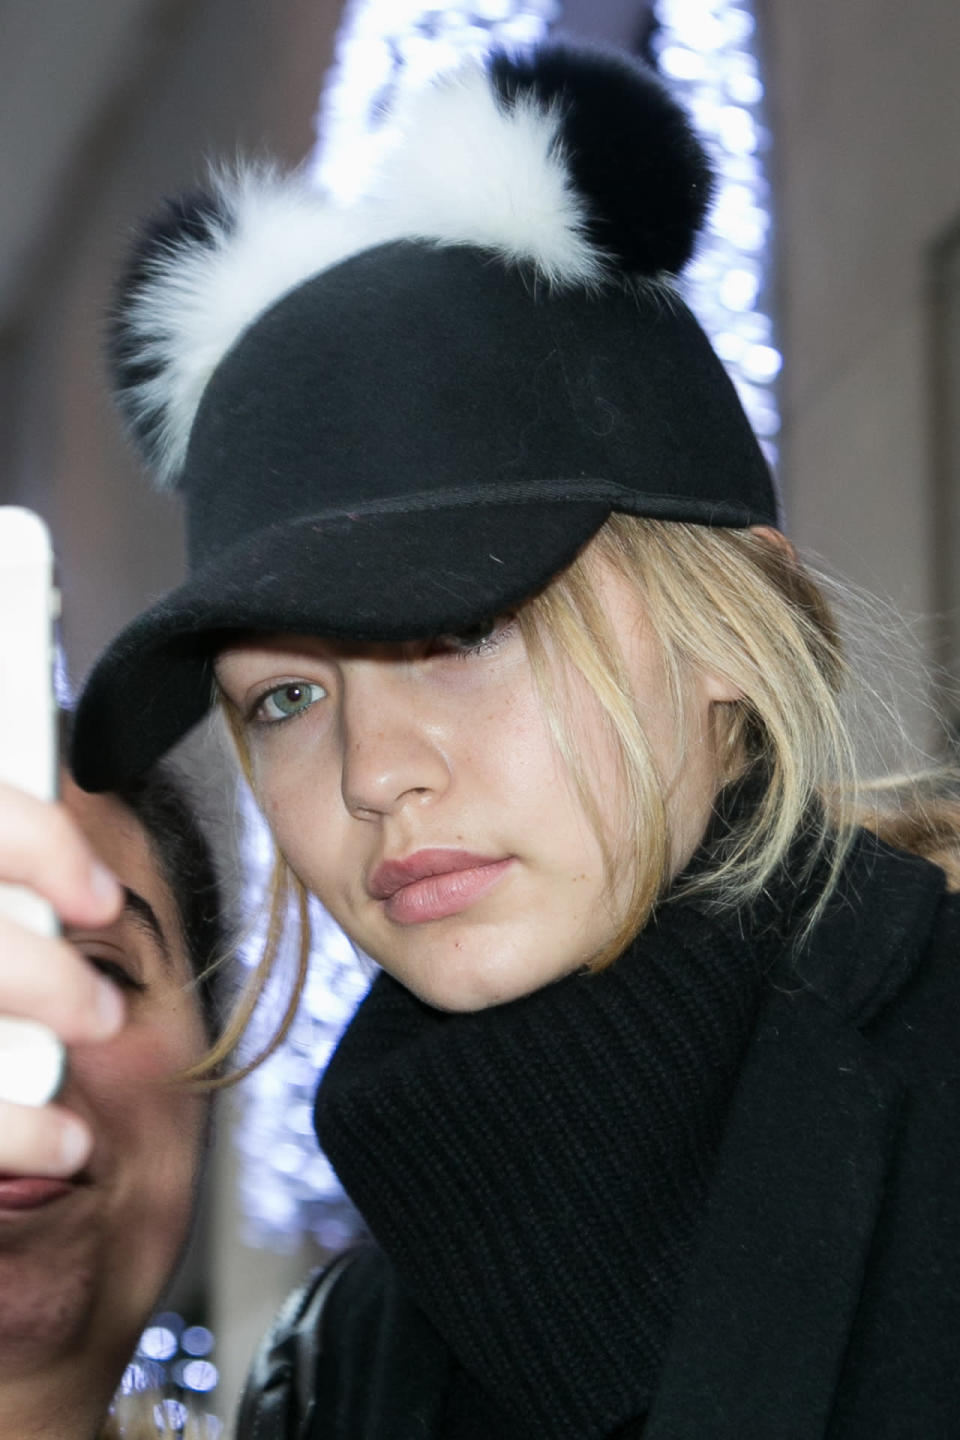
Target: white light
<point>728,346</point>
<point>699,31</point>
<point>721,86</point>
<point>737,130</point>
<point>288,1159</point>
<point>739,25</point>
<point>134,1379</point>
<point>746,229</point>
<point>158,1343</point>
<point>322,1177</point>
<point>197,1340</point>
<point>200,1375</point>
<point>523,29</point>
<point>680,63</point>
<point>756,327</point>
<point>738,289</point>
<point>746,89</point>
<point>761,362</point>
<point>62,689</point>
<point>389,46</point>
<point>170,1415</point>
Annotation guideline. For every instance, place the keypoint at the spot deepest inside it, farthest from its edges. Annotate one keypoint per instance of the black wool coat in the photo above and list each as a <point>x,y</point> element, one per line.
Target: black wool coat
<point>823,1301</point>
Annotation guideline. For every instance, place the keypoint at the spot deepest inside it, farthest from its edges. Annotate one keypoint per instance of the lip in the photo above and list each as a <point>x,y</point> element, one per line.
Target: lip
<point>31,1192</point>
<point>432,884</point>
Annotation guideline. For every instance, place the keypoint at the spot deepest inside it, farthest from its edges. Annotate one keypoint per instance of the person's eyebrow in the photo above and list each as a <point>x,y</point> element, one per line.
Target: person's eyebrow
<point>143,914</point>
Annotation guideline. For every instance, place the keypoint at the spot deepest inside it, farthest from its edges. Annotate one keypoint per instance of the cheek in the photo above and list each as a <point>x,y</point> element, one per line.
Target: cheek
<point>299,801</point>
<point>148,1131</point>
<point>148,1152</point>
<point>311,830</point>
<point>124,1081</point>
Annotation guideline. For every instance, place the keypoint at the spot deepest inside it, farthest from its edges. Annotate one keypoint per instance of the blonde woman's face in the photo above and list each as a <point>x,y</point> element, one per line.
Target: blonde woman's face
<point>418,792</point>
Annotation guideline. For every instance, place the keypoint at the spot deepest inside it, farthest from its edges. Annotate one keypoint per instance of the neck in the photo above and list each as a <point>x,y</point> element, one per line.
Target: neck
<point>60,1401</point>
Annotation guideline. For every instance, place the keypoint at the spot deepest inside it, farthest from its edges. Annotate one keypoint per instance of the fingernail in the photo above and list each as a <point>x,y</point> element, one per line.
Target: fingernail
<point>74,1146</point>
<point>104,885</point>
<point>110,1007</point>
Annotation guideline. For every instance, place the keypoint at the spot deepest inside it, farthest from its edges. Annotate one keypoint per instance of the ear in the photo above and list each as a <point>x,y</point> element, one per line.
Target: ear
<point>777,539</point>
<point>716,690</point>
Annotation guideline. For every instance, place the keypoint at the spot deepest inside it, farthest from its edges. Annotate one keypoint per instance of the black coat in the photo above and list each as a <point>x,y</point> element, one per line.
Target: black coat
<point>824,1299</point>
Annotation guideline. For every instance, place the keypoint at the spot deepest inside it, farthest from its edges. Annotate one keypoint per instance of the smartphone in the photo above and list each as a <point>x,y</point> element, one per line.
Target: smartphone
<point>32,1057</point>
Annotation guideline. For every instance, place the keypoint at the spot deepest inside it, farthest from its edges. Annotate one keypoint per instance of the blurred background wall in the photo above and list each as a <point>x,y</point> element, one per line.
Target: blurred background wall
<point>865,113</point>
<point>105,106</point>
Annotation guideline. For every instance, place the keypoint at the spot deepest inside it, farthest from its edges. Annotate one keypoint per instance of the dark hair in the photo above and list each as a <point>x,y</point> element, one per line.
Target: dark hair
<point>158,802</point>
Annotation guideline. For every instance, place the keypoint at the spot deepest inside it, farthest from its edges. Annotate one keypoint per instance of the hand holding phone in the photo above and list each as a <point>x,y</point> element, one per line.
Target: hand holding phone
<point>48,994</point>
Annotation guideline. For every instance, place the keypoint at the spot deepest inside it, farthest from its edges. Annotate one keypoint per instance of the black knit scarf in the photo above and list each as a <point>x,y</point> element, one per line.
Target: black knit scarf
<point>536,1172</point>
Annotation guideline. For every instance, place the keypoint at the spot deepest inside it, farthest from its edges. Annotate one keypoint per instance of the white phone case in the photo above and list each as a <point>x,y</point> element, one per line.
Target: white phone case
<point>31,1055</point>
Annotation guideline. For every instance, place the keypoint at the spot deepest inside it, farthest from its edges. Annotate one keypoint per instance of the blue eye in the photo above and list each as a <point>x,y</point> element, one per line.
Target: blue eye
<point>288,701</point>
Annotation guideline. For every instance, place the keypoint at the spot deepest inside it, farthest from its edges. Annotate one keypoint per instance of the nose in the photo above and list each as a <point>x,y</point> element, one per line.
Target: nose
<point>392,756</point>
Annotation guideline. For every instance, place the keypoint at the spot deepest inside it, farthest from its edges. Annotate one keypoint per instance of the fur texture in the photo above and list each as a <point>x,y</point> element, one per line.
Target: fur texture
<point>200,278</point>
<point>638,169</point>
<point>469,169</point>
<point>574,163</point>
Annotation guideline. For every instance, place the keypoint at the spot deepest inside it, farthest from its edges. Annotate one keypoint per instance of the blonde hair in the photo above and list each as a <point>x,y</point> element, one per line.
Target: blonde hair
<point>732,604</point>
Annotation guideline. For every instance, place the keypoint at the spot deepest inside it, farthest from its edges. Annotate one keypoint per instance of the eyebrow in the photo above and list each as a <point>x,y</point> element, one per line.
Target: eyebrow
<point>143,914</point>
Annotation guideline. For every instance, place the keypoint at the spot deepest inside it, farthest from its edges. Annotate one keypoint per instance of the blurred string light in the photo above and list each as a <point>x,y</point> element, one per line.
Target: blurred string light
<point>387,47</point>
<point>287,1187</point>
<point>172,1371</point>
<point>706,52</point>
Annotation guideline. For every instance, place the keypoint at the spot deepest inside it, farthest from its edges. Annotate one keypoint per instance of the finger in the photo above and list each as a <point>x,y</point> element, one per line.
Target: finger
<point>50,981</point>
<point>40,846</point>
<point>50,1141</point>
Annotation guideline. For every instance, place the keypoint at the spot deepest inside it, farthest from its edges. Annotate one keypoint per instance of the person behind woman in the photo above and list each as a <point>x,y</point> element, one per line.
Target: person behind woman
<point>97,1193</point>
<point>653,1110</point>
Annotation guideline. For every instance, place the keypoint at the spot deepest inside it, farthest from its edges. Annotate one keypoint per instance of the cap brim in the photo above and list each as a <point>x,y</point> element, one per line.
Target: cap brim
<point>383,576</point>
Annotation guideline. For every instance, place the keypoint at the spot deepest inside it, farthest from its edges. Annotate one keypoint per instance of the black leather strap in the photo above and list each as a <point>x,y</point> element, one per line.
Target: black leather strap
<point>279,1397</point>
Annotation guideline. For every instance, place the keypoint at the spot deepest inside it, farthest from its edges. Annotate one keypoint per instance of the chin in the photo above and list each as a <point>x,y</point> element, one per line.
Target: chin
<point>47,1298</point>
<point>459,985</point>
<point>464,1003</point>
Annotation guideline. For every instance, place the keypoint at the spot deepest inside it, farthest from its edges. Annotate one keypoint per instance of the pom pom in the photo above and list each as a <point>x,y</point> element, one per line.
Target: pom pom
<point>202,272</point>
<point>184,227</point>
<point>633,158</point>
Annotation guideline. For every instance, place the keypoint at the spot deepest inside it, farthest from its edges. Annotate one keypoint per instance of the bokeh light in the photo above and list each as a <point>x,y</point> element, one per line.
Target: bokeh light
<point>706,51</point>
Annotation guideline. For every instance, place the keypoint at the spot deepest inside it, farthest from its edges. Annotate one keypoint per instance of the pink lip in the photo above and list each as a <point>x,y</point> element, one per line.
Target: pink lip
<point>433,884</point>
<point>30,1192</point>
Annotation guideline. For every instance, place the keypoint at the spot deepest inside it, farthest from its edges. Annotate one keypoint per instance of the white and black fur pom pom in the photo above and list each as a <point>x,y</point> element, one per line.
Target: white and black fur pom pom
<point>202,272</point>
<point>575,163</point>
<point>632,156</point>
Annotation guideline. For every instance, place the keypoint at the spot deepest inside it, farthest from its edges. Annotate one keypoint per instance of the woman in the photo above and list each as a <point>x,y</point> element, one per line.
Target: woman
<point>653,1110</point>
<point>97,1193</point>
